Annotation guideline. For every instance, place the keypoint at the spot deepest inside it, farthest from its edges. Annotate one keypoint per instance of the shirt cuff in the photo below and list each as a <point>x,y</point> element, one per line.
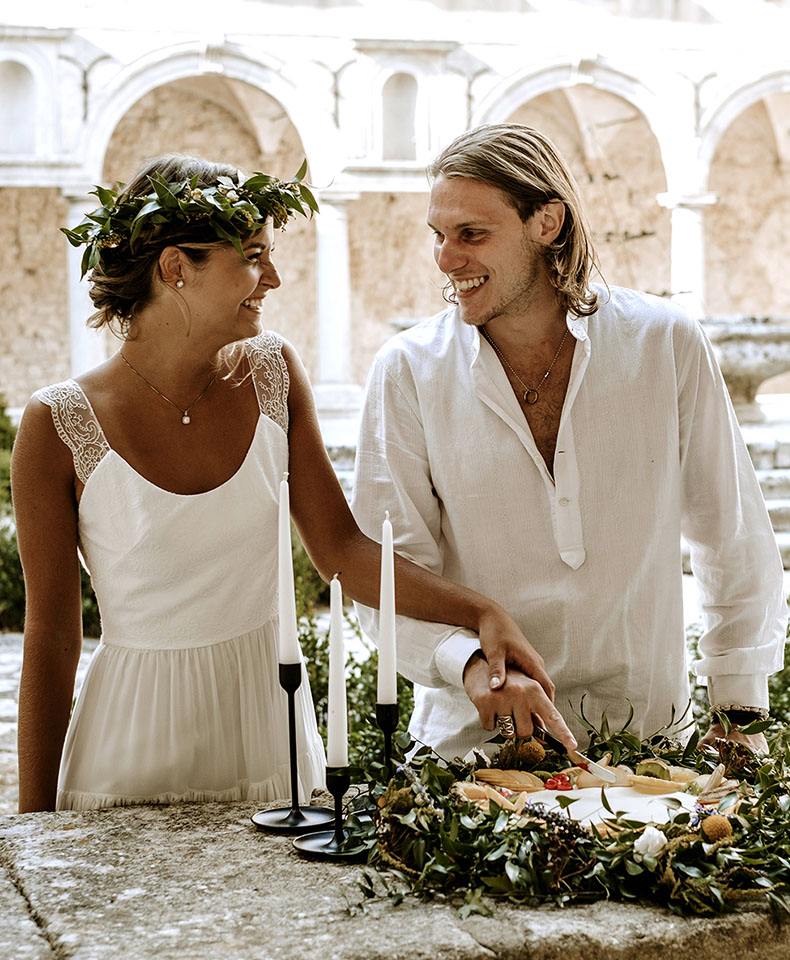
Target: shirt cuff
<point>453,654</point>
<point>749,689</point>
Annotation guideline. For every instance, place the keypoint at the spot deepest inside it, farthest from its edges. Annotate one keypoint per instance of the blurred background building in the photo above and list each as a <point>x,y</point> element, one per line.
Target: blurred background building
<point>674,114</point>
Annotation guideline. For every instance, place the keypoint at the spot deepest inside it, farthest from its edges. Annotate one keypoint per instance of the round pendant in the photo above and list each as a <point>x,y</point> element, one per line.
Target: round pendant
<point>185,419</point>
<point>531,396</point>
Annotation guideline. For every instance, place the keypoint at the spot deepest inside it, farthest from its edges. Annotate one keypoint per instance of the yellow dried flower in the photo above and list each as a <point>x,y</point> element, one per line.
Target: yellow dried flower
<point>716,827</point>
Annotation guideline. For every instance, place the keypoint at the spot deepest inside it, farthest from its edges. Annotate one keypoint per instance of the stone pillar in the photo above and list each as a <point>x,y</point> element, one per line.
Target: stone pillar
<point>687,270</point>
<point>88,346</point>
<point>338,398</point>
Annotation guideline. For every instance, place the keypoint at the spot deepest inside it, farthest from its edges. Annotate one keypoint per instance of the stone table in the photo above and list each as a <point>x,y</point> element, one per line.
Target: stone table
<point>199,882</point>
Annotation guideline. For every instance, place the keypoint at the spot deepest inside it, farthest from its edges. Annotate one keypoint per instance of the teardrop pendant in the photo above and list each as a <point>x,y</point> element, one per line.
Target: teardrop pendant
<point>185,419</point>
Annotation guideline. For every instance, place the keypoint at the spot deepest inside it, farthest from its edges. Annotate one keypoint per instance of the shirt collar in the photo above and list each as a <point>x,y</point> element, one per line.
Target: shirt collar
<point>576,325</point>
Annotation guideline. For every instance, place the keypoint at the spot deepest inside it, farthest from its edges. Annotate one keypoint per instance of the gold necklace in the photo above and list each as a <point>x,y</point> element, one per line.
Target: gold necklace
<point>531,394</point>
<point>185,418</point>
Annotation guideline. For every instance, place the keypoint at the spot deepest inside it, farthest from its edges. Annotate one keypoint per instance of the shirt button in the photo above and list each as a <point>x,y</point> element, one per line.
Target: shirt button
<point>564,501</point>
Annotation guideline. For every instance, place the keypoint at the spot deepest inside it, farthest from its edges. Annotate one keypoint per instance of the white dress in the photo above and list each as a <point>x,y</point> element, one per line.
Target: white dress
<point>181,700</point>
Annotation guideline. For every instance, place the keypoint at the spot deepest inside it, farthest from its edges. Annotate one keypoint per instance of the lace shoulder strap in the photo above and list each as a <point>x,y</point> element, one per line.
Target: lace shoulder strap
<point>76,425</point>
<point>270,376</point>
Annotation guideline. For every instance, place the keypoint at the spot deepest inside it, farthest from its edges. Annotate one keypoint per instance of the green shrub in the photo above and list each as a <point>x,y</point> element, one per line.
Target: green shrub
<point>12,589</point>
<point>365,740</point>
<point>5,482</point>
<point>7,429</point>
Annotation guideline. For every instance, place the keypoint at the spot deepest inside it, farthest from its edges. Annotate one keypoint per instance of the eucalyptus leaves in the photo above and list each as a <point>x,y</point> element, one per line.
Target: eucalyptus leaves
<point>230,210</point>
<point>429,838</point>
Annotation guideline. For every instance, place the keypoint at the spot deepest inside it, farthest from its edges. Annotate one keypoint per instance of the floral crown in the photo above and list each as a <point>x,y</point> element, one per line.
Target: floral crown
<point>231,210</point>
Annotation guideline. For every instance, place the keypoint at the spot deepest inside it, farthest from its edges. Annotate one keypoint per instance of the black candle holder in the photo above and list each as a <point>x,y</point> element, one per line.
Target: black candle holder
<point>295,819</point>
<point>328,845</point>
<point>387,716</point>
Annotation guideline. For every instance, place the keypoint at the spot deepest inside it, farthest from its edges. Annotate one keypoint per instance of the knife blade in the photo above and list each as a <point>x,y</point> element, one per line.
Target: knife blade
<point>548,739</point>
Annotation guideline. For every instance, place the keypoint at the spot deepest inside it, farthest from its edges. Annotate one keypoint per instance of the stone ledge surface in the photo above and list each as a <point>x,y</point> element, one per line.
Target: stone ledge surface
<point>198,881</point>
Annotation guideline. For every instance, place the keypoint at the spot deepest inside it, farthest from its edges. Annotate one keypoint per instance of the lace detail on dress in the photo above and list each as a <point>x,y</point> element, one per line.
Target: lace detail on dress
<point>270,376</point>
<point>76,424</point>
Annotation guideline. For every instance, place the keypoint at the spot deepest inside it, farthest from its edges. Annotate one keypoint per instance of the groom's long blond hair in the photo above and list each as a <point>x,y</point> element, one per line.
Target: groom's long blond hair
<point>529,171</point>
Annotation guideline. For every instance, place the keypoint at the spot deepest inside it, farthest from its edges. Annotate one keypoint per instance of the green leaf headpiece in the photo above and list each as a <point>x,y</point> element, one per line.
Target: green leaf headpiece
<point>230,210</point>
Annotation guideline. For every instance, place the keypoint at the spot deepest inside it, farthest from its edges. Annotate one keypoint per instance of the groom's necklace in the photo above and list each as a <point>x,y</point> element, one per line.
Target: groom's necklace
<point>531,394</point>
<point>185,418</point>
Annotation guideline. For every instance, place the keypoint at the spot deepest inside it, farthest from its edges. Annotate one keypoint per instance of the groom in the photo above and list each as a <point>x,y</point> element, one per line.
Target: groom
<point>547,441</point>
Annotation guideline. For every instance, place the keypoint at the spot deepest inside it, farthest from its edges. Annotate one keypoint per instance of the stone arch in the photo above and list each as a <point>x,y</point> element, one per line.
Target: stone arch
<point>19,101</point>
<point>172,104</point>
<point>666,112</point>
<point>399,115</point>
<point>616,158</point>
<point>718,119</point>
<point>314,126</point>
<point>747,230</point>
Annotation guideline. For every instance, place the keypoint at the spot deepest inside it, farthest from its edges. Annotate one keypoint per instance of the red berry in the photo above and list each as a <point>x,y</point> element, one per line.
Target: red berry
<point>584,766</point>
<point>551,784</point>
<point>565,785</point>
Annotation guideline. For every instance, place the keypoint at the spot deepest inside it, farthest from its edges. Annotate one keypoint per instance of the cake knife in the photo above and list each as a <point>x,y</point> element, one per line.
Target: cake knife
<point>541,733</point>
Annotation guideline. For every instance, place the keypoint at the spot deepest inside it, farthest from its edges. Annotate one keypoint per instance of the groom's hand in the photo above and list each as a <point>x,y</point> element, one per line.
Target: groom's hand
<point>519,697</point>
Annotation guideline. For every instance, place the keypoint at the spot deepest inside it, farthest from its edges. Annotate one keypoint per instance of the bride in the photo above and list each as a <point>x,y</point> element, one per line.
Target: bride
<point>161,467</point>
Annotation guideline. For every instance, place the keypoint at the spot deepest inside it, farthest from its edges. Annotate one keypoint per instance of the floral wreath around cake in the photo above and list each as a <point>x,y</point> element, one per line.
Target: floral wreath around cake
<point>473,830</point>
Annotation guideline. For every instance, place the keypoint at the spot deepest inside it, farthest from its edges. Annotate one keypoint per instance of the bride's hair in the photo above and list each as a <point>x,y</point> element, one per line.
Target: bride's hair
<point>122,283</point>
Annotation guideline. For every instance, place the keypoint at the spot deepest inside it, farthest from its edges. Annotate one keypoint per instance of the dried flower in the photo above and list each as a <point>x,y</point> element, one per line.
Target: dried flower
<point>716,827</point>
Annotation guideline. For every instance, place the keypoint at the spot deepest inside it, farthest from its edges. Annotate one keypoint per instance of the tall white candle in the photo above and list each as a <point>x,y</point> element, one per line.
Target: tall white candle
<point>337,719</point>
<point>289,650</point>
<point>387,690</point>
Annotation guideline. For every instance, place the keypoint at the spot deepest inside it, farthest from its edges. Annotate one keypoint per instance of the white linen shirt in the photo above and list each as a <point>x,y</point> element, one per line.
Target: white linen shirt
<point>587,563</point>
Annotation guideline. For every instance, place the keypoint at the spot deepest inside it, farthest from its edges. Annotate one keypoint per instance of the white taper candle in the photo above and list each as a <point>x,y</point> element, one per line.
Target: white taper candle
<point>387,690</point>
<point>289,649</point>
<point>337,719</point>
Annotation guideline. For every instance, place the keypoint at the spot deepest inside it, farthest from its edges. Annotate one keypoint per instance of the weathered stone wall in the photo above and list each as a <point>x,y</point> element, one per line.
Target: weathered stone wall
<point>747,232</point>
<point>393,274</point>
<point>34,326</point>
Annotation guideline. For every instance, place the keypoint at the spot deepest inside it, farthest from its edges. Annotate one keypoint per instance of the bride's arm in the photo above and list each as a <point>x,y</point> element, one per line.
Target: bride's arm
<point>336,545</point>
<point>45,507</point>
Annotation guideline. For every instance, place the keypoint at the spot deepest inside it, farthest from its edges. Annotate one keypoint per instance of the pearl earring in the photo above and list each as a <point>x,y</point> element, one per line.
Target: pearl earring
<point>179,284</point>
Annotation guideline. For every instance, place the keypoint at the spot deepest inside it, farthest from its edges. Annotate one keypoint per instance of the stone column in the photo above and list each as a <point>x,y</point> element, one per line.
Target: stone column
<point>88,346</point>
<point>687,270</point>
<point>338,398</point>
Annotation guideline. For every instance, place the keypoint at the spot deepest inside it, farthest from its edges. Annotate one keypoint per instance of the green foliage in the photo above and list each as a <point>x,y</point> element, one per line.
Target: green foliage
<point>231,210</point>
<point>7,429</point>
<point>12,589</point>
<point>428,839</point>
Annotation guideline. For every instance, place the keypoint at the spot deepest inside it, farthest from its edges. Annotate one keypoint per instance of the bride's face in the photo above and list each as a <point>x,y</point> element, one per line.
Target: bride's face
<point>230,288</point>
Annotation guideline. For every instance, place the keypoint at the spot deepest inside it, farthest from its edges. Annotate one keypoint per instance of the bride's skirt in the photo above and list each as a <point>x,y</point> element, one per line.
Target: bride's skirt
<point>200,723</point>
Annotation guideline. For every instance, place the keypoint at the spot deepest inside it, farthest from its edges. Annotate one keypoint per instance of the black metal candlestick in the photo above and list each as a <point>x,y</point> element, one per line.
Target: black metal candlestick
<point>295,819</point>
<point>387,716</point>
<point>328,845</point>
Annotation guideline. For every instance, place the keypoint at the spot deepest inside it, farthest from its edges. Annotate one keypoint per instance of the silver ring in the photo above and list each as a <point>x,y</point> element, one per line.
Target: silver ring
<point>506,726</point>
